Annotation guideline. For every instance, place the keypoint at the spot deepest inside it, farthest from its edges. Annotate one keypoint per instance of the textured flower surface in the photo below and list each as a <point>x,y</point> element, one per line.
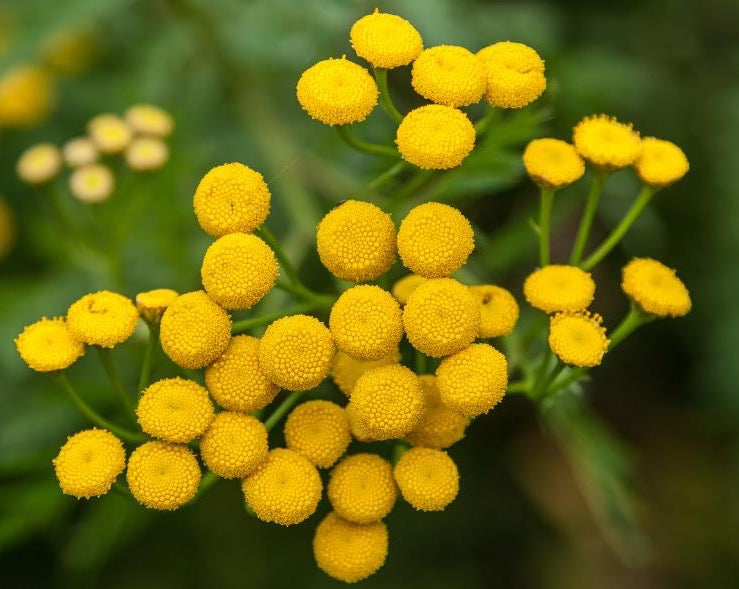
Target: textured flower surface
<point>318,430</point>
<point>552,163</point>
<point>606,143</point>
<point>660,162</point>
<point>515,74</point>
<point>385,40</point>
<point>362,488</point>
<point>578,338</point>
<point>403,288</point>
<point>655,288</point>
<point>427,478</point>
<point>559,288</point>
<point>152,304</point>
<point>450,75</point>
<point>498,310</point>
<point>440,427</point>
<point>48,345</point>
<point>103,319</point>
<point>347,370</point>
<point>234,445</point>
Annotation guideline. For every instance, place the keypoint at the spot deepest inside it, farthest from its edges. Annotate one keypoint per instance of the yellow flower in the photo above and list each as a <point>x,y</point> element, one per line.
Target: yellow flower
<point>435,240</point>
<point>552,163</point>
<point>146,154</point>
<point>231,198</point>
<point>559,288</point>
<point>79,151</point>
<point>162,475</point>
<point>26,96</point>
<point>660,162</point>
<point>109,133</point>
<point>366,322</point>
<point>655,288</point>
<point>7,228</point>
<point>285,488</point>
<point>578,338</point>
<point>337,92</point>
<point>356,241</point>
<point>359,429</point>
<point>449,75</point>
<point>385,40</point>
<point>347,370</point>
<point>234,445</point>
<point>48,345</point>
<point>152,304</point>
<point>89,462</point>
<point>174,410</point>
<point>102,319</point>
<point>388,401</point>
<point>474,380</point>
<point>349,552</point>
<point>238,270</point>
<point>39,164</point>
<point>92,183</point>
<point>435,137</point>
<point>498,310</point>
<point>235,379</point>
<point>428,479</point>
<point>403,288</point>
<point>195,331</point>
<point>515,74</point>
<point>318,430</point>
<point>148,119</point>
<point>440,427</point>
<point>441,317</point>
<point>362,489</point>
<point>606,143</point>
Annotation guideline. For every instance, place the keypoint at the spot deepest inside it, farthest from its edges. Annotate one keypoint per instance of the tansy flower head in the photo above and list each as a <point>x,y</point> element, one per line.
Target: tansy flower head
<point>26,96</point>
<point>238,270</point>
<point>337,92</point>
<point>559,288</point>
<point>347,370</point>
<point>146,154</point>
<point>552,163</point>
<point>235,379</point>
<point>39,164</point>
<point>435,240</point>
<point>296,352</point>
<point>428,479</point>
<point>385,40</point>
<point>449,75</point>
<point>498,310</point>
<point>660,162</point>
<point>366,322</point>
<point>349,552</point>
<point>318,430</point>
<point>362,489</point>
<point>148,119</point>
<point>403,288</point>
<point>109,133</point>
<point>440,426</point>
<point>655,288</point>
<point>79,151</point>
<point>48,345</point>
<point>194,330</point>
<point>474,380</point>
<point>285,488</point>
<point>441,317</point>
<point>435,137</point>
<point>174,410</point>
<point>89,462</point>
<point>359,429</point>
<point>515,74</point>
<point>162,475</point>
<point>388,401</point>
<point>356,241</point>
<point>231,198</point>
<point>606,143</point>
<point>234,445</point>
<point>578,338</point>
<point>152,304</point>
<point>7,228</point>
<point>102,319</point>
<point>92,183</point>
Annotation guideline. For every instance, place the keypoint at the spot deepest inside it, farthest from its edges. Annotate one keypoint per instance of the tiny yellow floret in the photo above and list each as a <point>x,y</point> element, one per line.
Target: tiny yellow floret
<point>109,133</point>
<point>403,288</point>
<point>39,164</point>
<point>27,96</point>
<point>48,345</point>
<point>606,143</point>
<point>234,445</point>
<point>450,75</point>
<point>79,151</point>
<point>515,74</point>
<point>385,40</point>
<point>440,427</point>
<point>660,162</point>
<point>148,119</point>
<point>428,479</point>
<point>498,310</point>
<point>318,430</point>
<point>655,288</point>
<point>347,370</point>
<point>552,163</point>
<point>147,154</point>
<point>578,338</point>
<point>103,319</point>
<point>152,304</point>
<point>362,488</point>
<point>92,183</point>
<point>559,288</point>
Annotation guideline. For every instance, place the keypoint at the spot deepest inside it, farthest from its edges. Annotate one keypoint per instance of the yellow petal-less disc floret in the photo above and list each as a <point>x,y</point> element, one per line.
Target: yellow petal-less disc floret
<point>109,133</point>
<point>92,183</point>
<point>349,552</point>
<point>474,380</point>
<point>385,40</point>
<point>194,330</point>
<point>238,270</point>
<point>552,163</point>
<point>435,240</point>
<point>318,430</point>
<point>152,304</point>
<point>440,427</point>
<point>450,75</point>
<point>162,475</point>
<point>79,151</point>
<point>366,322</point>
<point>498,310</point>
<point>102,319</point>
<point>148,119</point>
<point>362,488</point>
<point>296,352</point>
<point>337,92</point>
<point>39,164</point>
<point>146,154</point>
<point>435,137</point>
<point>559,288</point>
<point>660,162</point>
<point>174,410</point>
<point>356,241</point>
<point>441,317</point>
<point>89,462</point>
<point>234,445</point>
<point>403,288</point>
<point>578,338</point>
<point>515,74</point>
<point>428,479</point>
<point>606,143</point>
<point>48,345</point>
<point>231,198</point>
<point>285,488</point>
<point>235,380</point>
<point>388,401</point>
<point>347,370</point>
<point>26,96</point>
<point>655,288</point>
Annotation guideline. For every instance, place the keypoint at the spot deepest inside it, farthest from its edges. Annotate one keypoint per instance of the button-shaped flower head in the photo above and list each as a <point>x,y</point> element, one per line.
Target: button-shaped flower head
<point>318,430</point>
<point>498,310</point>
<point>559,288</point>
<point>515,74</point>
<point>552,163</point>
<point>27,96</point>
<point>362,489</point>
<point>146,154</point>
<point>347,370</point>
<point>148,119</point>
<point>440,427</point>
<point>403,288</point>
<point>39,164</point>
<point>655,288</point>
<point>234,445</point>
<point>48,345</point>
<point>385,40</point>
<point>450,75</point>
<point>152,304</point>
<point>109,133</point>
<point>92,183</point>
<point>102,319</point>
<point>660,162</point>
<point>578,338</point>
<point>606,143</point>
<point>428,479</point>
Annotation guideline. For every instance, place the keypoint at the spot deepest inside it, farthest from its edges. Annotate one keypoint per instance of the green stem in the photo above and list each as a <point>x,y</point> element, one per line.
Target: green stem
<point>386,100</point>
<point>247,324</point>
<point>545,216</point>
<point>415,184</point>
<point>399,448</point>
<point>273,242</point>
<point>366,147</point>
<point>289,402</point>
<point>301,291</point>
<point>122,489</point>
<point>388,174</point>
<point>420,363</point>
<point>206,482</point>
<point>145,375</point>
<point>541,376</point>
<point>482,125</point>
<point>115,380</point>
<point>586,223</point>
<point>634,318</point>
<point>520,386</point>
